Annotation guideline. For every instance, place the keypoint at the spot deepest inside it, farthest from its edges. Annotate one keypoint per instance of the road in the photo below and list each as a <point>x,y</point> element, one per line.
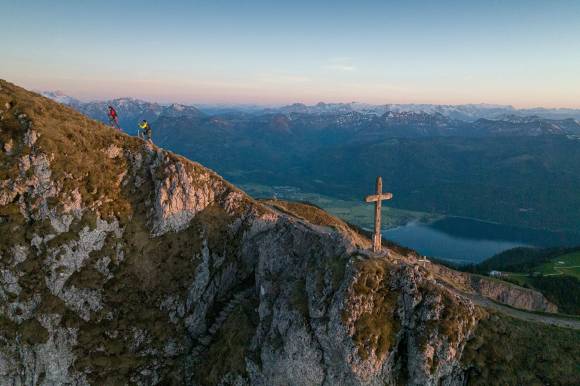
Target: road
<point>552,320</point>
<point>543,318</point>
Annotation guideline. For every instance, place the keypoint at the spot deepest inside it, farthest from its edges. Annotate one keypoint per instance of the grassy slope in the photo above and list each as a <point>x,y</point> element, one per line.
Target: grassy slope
<point>522,259</point>
<point>542,270</point>
<point>511,352</point>
<point>151,269</point>
<point>568,264</point>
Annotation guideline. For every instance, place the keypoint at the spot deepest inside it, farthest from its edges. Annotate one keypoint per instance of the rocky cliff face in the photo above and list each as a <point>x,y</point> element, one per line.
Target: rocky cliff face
<point>123,263</point>
<point>512,295</point>
<point>500,291</point>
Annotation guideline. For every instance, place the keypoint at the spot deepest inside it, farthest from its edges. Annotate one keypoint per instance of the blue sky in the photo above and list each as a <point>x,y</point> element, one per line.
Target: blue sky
<point>525,53</point>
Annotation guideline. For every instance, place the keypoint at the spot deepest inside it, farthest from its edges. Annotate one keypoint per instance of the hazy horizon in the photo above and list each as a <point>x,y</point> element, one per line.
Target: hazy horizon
<point>278,105</point>
<point>523,53</point>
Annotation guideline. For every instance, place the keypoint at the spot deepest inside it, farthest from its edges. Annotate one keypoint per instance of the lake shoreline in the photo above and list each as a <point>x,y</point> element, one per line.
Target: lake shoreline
<point>467,240</point>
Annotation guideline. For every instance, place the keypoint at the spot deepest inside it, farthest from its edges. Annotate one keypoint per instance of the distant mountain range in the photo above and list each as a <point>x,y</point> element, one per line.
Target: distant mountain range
<point>466,112</point>
<point>497,164</point>
<point>369,121</point>
<point>61,97</point>
<point>130,110</point>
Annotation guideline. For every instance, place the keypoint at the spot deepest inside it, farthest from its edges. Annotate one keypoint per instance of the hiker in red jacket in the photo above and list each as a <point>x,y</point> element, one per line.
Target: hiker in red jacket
<point>113,117</point>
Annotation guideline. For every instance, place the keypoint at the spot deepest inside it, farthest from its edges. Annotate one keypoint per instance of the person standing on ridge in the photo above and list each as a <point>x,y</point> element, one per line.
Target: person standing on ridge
<point>113,118</point>
<point>146,130</point>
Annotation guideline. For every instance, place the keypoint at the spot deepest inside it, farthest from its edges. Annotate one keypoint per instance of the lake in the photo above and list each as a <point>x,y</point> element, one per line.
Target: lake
<point>464,240</point>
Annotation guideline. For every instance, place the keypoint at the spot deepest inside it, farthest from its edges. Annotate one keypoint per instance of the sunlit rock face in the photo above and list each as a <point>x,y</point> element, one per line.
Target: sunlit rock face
<point>123,263</point>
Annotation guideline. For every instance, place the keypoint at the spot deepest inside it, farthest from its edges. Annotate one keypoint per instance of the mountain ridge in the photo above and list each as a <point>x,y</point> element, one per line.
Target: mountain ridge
<point>127,263</point>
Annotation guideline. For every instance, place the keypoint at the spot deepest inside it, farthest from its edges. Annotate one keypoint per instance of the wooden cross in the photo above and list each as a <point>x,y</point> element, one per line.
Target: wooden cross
<point>423,260</point>
<point>377,199</point>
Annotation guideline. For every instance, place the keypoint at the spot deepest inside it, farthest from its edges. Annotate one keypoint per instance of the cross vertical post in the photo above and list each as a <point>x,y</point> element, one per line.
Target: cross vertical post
<point>378,237</point>
<point>377,198</point>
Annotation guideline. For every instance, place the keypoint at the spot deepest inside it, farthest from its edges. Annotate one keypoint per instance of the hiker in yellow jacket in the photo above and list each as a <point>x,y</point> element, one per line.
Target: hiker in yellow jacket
<point>145,130</point>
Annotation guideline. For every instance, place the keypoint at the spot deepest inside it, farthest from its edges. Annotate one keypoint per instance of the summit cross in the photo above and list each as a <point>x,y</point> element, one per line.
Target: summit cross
<point>377,198</point>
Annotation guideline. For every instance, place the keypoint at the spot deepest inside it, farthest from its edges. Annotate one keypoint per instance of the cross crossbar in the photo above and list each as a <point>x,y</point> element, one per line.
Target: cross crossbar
<point>379,197</point>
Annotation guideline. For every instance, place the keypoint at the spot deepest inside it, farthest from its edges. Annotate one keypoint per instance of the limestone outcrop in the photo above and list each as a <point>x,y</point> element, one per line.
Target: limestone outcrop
<point>497,290</point>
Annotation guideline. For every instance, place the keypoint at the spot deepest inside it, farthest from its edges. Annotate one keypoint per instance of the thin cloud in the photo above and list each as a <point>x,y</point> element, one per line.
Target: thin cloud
<point>340,64</point>
<point>340,67</point>
<point>280,78</point>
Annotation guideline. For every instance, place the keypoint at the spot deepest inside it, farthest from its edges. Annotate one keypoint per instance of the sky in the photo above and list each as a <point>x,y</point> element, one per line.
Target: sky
<point>522,53</point>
